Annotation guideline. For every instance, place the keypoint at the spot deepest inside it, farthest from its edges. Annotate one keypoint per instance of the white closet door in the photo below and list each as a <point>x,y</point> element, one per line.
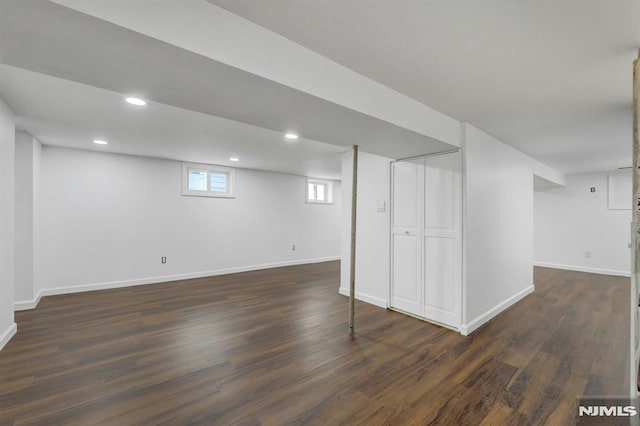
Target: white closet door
<point>441,249</point>
<point>406,263</point>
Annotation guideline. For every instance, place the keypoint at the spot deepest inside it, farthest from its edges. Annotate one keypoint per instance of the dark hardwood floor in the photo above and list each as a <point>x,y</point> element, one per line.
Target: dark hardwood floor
<point>272,348</point>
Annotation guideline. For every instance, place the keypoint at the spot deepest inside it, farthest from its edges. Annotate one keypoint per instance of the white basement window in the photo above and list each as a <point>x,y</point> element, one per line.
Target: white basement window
<point>204,180</point>
<point>319,191</point>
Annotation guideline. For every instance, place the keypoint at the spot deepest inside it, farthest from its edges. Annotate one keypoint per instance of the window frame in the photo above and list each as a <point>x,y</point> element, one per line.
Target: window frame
<point>329,190</point>
<point>209,169</point>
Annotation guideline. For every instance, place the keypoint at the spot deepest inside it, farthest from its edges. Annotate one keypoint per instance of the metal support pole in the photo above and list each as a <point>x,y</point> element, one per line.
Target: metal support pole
<point>352,270</point>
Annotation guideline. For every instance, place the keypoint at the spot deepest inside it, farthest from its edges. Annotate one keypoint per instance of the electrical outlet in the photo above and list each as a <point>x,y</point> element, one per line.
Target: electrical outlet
<point>587,254</point>
<point>293,247</point>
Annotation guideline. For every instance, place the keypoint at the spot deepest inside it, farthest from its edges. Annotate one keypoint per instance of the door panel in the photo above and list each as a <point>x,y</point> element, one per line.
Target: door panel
<point>440,195</point>
<point>407,294</point>
<point>406,263</point>
<point>425,253</point>
<point>406,205</point>
<point>441,280</point>
<point>441,257</point>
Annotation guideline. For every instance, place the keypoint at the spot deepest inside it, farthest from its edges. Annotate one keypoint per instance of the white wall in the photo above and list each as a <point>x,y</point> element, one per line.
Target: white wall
<point>7,161</point>
<point>572,220</point>
<point>498,227</point>
<point>107,219</point>
<point>37,197</point>
<point>372,228</point>
<point>547,176</point>
<point>27,181</point>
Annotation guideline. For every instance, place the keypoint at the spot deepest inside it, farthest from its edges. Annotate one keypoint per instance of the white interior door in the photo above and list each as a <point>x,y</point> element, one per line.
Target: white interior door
<point>441,247</point>
<point>406,263</point>
<point>425,241</point>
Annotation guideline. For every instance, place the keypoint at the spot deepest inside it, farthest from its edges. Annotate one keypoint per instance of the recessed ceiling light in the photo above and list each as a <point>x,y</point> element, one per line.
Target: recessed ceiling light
<point>100,142</point>
<point>291,136</point>
<point>234,159</point>
<point>136,101</point>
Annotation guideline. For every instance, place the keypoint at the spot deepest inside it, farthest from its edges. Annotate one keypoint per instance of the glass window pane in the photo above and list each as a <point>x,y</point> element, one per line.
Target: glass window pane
<point>219,182</point>
<point>311,192</point>
<point>321,192</point>
<point>197,180</point>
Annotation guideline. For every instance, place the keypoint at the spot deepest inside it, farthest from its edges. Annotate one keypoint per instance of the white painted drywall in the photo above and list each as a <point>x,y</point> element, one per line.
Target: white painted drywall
<point>211,31</point>
<point>571,221</point>
<point>547,176</point>
<point>27,169</point>
<point>108,218</point>
<point>498,226</point>
<point>37,184</point>
<point>7,162</point>
<point>372,228</point>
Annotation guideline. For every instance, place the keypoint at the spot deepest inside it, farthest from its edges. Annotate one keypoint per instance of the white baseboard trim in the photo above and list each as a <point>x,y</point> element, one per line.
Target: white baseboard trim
<point>28,304</point>
<point>54,291</point>
<point>470,327</point>
<point>600,271</point>
<point>8,334</point>
<point>376,301</point>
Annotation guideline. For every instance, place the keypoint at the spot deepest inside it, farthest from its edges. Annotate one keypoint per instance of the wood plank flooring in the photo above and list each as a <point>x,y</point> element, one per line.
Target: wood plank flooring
<point>272,348</point>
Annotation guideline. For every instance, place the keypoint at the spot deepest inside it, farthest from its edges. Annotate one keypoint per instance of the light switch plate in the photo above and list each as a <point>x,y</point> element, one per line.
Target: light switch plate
<point>380,206</point>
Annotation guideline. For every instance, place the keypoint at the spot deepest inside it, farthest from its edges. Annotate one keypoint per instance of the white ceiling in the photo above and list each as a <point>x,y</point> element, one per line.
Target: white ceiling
<point>551,78</point>
<point>65,74</point>
<point>69,114</point>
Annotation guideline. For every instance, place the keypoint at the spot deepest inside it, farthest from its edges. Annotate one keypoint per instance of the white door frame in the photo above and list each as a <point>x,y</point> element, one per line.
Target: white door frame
<point>461,238</point>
